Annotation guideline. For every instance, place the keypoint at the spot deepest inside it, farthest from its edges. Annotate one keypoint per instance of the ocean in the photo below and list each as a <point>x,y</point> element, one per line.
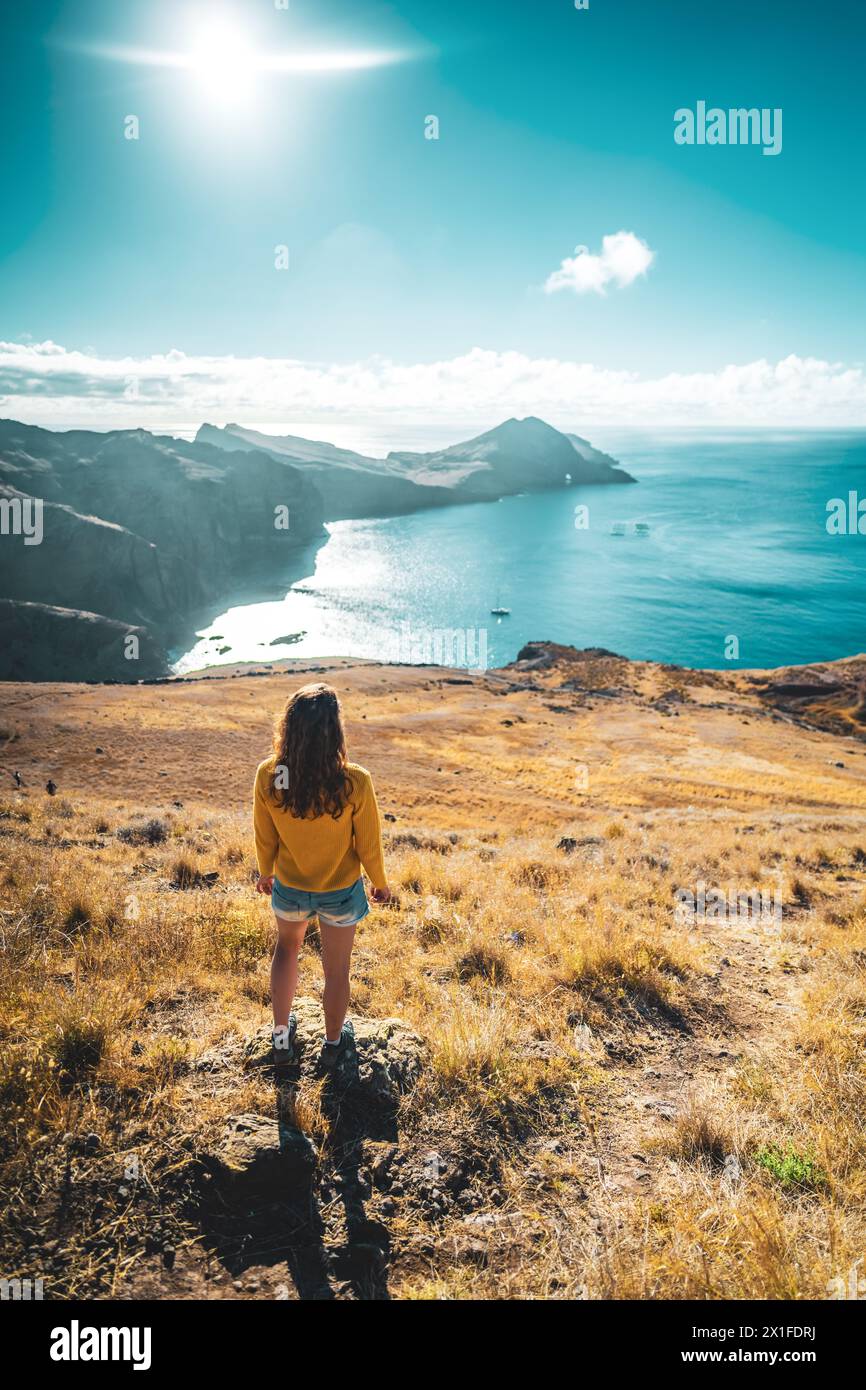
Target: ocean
<point>719,557</point>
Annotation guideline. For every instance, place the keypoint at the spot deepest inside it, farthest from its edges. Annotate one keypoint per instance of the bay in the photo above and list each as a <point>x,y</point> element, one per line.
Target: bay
<point>731,541</point>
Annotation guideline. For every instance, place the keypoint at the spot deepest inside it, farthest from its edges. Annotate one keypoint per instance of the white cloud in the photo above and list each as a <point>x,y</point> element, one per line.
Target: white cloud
<point>44,383</point>
<point>623,258</point>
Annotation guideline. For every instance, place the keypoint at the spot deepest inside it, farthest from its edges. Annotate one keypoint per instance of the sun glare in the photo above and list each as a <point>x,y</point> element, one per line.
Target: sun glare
<point>223,64</point>
<point>226,67</point>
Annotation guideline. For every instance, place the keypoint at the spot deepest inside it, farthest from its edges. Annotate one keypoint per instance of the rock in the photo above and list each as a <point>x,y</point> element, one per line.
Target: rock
<point>260,1153</point>
<point>551,1146</point>
<point>662,1107</point>
<point>539,1047</point>
<point>220,1058</point>
<point>489,1222</point>
<point>379,1156</point>
<point>471,1251</point>
<point>389,1054</point>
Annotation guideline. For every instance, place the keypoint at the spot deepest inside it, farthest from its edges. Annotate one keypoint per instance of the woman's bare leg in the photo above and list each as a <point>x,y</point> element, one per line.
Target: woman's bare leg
<point>337,945</point>
<point>284,968</point>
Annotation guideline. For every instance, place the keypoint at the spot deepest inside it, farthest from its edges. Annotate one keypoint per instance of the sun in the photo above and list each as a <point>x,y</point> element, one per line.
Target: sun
<point>223,63</point>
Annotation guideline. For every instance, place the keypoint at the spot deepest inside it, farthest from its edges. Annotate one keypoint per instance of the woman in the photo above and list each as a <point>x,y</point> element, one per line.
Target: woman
<point>316,823</point>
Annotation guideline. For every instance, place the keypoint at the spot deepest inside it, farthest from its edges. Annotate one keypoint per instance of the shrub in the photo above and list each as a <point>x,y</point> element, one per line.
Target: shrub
<point>78,1047</point>
<point>790,1168</point>
<point>152,832</point>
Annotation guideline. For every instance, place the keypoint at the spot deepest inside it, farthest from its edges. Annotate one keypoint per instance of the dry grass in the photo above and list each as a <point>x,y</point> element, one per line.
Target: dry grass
<point>121,966</point>
<point>576,1030</point>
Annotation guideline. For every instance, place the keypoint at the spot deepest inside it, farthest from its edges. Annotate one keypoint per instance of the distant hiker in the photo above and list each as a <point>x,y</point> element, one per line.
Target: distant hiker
<point>316,823</point>
<point>19,780</point>
<point>50,787</point>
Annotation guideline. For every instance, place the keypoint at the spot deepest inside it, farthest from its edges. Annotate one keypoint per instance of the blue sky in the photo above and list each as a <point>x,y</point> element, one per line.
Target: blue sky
<point>556,130</point>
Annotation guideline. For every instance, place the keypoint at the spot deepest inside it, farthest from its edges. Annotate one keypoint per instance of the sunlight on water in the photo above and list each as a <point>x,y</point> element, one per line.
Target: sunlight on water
<point>719,538</point>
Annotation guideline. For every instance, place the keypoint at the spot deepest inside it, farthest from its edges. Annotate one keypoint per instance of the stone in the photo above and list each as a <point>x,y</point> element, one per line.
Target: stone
<point>260,1153</point>
<point>389,1054</point>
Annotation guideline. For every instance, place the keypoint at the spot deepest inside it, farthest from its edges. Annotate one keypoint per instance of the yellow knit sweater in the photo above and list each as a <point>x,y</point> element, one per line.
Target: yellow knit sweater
<point>319,853</point>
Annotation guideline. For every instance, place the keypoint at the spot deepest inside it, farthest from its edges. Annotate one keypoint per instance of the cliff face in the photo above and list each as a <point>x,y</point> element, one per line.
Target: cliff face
<point>143,530</point>
<point>86,563</point>
<point>44,641</point>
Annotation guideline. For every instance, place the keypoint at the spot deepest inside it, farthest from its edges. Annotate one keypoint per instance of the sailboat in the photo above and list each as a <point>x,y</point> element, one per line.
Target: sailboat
<point>499,612</point>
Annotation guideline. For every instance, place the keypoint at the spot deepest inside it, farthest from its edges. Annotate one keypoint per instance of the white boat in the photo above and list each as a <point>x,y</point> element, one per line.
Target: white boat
<point>617,528</point>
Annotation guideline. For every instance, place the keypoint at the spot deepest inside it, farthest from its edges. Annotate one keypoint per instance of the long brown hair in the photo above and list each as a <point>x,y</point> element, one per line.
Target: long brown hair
<point>310,747</point>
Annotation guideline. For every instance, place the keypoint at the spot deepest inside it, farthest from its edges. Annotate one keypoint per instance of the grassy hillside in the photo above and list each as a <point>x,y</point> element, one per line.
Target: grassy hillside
<point>612,1103</point>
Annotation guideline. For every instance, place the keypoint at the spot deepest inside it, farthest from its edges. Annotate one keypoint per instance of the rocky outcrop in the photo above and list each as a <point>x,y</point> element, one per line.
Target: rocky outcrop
<point>538,655</point>
<point>272,1156</point>
<point>257,1152</point>
<point>388,1055</point>
<point>829,695</point>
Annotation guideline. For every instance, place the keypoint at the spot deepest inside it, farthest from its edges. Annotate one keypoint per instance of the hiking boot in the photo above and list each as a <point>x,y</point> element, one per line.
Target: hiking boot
<point>333,1054</point>
<point>283,1050</point>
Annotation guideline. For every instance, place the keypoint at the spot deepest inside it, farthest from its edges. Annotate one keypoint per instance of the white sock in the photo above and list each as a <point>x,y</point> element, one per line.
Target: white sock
<point>333,1042</point>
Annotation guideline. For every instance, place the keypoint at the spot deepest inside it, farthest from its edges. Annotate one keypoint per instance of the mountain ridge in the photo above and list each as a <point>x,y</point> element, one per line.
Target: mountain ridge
<point>515,456</point>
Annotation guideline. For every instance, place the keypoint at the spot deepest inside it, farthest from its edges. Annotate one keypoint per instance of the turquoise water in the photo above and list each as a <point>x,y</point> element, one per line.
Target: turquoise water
<point>737,546</point>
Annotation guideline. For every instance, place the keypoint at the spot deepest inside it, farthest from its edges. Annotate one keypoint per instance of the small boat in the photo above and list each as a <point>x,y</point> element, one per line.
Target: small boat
<point>501,612</point>
<point>618,528</point>
<point>641,528</point>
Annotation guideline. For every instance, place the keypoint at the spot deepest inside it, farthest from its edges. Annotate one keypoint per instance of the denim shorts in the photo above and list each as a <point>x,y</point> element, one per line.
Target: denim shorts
<point>339,907</point>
